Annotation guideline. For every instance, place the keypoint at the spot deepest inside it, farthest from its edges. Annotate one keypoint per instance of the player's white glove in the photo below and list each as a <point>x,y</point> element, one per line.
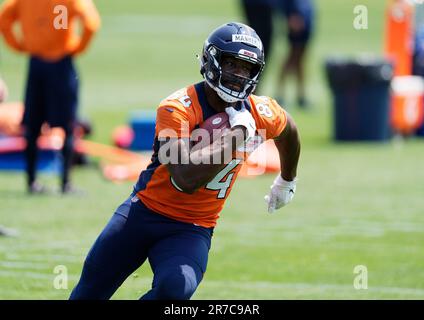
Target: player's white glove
<point>242,118</point>
<point>282,192</point>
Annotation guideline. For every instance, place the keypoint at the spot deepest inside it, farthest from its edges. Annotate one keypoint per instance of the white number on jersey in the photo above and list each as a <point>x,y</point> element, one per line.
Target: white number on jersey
<point>222,186</point>
<point>185,100</point>
<point>264,109</point>
<point>182,97</point>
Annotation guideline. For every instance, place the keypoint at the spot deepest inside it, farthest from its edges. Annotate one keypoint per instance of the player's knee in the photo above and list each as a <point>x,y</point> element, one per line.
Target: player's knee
<point>178,284</point>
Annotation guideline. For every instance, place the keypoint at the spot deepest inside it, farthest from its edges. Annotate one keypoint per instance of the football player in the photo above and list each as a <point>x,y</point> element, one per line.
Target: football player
<point>170,216</point>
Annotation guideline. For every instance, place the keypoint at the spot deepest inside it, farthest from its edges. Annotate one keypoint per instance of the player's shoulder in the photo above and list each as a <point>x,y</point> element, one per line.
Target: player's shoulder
<point>268,115</point>
<point>265,106</point>
<point>179,99</point>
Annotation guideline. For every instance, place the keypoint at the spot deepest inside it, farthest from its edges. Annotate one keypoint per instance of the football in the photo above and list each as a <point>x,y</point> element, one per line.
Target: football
<point>215,126</point>
<point>218,121</point>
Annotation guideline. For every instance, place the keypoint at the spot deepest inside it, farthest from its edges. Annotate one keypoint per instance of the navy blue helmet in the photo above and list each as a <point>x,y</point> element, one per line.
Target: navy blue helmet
<point>237,40</point>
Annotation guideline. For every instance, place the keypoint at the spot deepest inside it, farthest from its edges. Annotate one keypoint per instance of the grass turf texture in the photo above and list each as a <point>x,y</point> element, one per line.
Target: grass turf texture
<point>356,204</point>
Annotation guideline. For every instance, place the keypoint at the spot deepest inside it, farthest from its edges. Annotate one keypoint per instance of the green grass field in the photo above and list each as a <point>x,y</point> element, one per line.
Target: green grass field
<point>356,204</point>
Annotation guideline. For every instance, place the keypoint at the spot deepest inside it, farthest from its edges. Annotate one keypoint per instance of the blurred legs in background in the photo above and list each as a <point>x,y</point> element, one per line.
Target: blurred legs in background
<point>293,64</point>
<point>258,14</point>
<point>299,16</point>
<point>51,97</point>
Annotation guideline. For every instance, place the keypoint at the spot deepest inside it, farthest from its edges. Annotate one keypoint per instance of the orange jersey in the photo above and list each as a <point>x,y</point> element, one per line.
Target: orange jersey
<point>47,26</point>
<point>183,112</point>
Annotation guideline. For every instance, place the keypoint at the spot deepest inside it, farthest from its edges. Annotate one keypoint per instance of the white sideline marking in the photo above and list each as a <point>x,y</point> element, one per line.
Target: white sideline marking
<point>33,275</point>
<point>45,257</point>
<point>23,265</point>
<point>65,244</point>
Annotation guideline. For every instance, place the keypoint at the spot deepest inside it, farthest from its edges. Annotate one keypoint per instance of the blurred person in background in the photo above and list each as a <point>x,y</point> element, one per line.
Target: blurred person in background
<point>259,15</point>
<point>48,35</point>
<point>299,15</point>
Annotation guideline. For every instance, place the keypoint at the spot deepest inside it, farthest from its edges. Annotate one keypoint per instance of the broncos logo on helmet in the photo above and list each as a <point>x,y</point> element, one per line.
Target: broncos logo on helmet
<point>237,40</point>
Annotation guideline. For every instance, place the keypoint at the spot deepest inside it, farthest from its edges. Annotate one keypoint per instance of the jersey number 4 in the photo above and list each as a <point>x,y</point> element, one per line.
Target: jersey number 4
<point>216,184</point>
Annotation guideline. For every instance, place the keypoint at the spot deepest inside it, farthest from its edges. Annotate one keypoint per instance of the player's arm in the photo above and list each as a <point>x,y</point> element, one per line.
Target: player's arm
<point>284,185</point>
<point>288,145</point>
<point>196,167</point>
<point>90,21</point>
<point>8,16</point>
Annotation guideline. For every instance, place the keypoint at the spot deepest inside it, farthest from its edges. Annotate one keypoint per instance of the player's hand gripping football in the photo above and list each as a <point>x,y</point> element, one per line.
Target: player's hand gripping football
<point>242,118</point>
<point>282,192</point>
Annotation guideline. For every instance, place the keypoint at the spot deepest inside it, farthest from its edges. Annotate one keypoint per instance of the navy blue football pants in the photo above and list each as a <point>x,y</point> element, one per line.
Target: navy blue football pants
<point>177,253</point>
